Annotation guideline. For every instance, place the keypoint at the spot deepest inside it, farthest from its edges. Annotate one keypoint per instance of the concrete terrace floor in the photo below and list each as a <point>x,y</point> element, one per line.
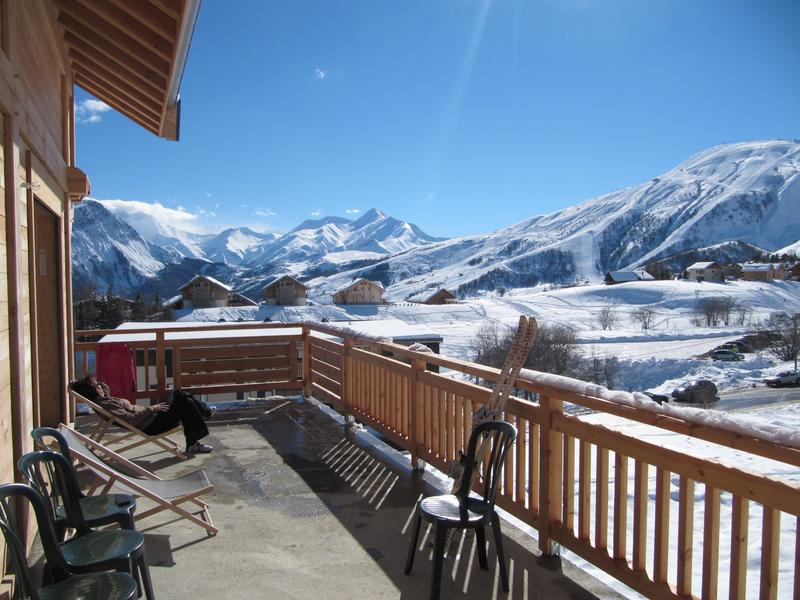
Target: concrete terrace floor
<point>307,509</point>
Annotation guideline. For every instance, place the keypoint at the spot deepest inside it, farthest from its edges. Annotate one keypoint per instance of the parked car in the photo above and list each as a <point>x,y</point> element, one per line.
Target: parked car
<point>696,391</point>
<point>728,346</point>
<point>726,354</point>
<point>783,378</point>
<point>743,346</point>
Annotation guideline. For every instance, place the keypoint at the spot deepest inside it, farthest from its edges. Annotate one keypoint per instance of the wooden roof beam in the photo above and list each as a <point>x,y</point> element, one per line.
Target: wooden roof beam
<point>131,26</point>
<point>118,87</point>
<point>99,28</point>
<point>151,17</point>
<point>79,37</point>
<point>121,81</point>
<point>99,91</point>
<point>173,8</point>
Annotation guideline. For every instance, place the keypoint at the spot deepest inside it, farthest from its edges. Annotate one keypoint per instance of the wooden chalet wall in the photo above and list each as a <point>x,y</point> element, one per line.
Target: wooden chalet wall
<point>36,151</point>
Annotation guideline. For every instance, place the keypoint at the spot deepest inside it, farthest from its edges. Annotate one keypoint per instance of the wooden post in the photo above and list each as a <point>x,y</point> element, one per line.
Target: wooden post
<point>292,361</point>
<point>550,472</point>
<point>415,398</point>
<point>161,371</point>
<point>306,361</point>
<point>347,378</point>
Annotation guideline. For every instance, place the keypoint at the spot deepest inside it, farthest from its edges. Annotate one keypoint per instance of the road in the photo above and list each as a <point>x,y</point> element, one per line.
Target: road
<point>760,396</point>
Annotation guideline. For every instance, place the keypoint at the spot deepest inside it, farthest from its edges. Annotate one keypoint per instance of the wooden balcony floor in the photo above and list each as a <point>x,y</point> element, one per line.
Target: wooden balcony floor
<point>307,510</point>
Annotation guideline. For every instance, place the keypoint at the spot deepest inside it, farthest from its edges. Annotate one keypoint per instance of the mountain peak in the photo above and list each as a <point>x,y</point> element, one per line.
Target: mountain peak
<point>373,215</point>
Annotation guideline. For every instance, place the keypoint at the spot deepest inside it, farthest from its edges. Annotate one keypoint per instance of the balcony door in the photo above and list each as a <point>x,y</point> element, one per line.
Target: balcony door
<point>49,337</point>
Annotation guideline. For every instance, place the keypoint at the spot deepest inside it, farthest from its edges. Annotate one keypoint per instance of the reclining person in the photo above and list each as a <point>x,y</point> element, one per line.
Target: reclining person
<point>155,418</point>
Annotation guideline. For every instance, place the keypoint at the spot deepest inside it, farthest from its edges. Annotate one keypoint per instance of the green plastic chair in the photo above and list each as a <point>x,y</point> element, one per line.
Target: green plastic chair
<point>88,586</point>
<point>88,550</point>
<point>98,510</point>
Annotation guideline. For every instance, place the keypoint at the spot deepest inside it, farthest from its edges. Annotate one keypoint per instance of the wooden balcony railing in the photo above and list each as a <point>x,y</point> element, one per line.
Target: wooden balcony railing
<point>626,505</point>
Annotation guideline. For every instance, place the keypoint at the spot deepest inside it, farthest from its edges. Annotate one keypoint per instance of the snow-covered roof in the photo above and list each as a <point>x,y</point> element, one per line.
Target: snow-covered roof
<point>391,329</point>
<point>625,276</point>
<point>427,295</point>
<point>172,331</point>
<point>209,279</point>
<point>756,267</point>
<point>377,284</point>
<point>703,265</point>
<point>245,299</point>
<point>172,301</point>
<point>277,279</point>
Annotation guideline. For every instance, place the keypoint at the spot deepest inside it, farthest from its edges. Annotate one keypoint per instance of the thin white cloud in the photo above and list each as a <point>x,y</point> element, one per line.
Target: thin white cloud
<point>352,211</point>
<point>264,212</point>
<point>89,110</point>
<point>178,218</point>
<point>320,73</point>
<point>431,196</point>
<point>316,212</point>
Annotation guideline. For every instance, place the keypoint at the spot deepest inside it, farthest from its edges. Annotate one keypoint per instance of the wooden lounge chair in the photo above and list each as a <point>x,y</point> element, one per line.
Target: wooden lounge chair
<point>139,437</point>
<point>127,477</point>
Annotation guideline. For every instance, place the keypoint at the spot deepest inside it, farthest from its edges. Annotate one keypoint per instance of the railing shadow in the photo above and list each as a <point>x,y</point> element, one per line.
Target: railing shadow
<point>373,499</point>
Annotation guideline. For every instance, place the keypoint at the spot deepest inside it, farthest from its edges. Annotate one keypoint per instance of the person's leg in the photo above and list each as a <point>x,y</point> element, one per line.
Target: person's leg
<point>185,412</point>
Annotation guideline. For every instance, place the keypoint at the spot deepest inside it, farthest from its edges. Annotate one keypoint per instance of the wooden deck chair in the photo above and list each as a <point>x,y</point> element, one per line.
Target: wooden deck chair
<point>138,437</point>
<point>127,477</point>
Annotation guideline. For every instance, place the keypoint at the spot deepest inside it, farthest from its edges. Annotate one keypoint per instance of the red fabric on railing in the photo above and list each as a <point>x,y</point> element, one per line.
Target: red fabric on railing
<point>115,367</point>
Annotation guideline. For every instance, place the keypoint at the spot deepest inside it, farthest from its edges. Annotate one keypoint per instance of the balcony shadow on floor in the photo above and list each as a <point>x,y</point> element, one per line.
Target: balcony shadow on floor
<point>372,497</point>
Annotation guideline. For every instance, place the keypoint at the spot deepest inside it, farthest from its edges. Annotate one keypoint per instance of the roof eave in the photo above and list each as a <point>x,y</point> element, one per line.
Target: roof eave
<point>171,120</point>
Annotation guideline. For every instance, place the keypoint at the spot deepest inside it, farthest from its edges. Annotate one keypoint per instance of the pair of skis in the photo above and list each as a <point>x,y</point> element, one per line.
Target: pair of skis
<point>492,409</point>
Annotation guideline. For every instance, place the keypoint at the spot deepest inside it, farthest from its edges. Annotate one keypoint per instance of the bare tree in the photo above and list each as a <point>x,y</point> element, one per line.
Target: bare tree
<point>610,370</point>
<point>491,344</point>
<point>554,351</point>
<point>644,316</point>
<point>715,310</point>
<point>607,317</point>
<point>743,314</point>
<point>782,333</point>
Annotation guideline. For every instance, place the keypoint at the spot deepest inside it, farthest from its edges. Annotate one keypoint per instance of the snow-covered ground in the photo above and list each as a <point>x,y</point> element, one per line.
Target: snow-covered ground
<point>656,359</point>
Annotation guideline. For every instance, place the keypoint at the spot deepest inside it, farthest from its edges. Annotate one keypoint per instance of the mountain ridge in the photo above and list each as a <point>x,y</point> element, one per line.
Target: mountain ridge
<point>747,193</point>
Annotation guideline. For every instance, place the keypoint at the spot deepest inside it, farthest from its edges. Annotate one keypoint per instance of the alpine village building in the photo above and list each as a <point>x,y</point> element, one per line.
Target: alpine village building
<point>360,291</point>
<point>129,55</point>
<point>203,291</point>
<point>286,291</point>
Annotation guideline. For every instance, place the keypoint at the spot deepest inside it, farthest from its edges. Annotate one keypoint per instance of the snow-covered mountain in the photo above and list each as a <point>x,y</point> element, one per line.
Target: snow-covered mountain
<point>163,226</point>
<point>374,235</point>
<point>234,246</point>
<point>107,251</point>
<point>725,203</point>
<point>747,192</point>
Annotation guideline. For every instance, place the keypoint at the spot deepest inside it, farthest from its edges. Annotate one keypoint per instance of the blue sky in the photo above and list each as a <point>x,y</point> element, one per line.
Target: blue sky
<point>461,116</point>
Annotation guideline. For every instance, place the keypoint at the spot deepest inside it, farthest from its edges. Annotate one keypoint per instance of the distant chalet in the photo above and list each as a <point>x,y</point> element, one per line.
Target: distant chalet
<point>360,291</point>
<point>614,277</point>
<point>203,291</point>
<point>440,296</point>
<point>762,271</point>
<point>286,291</point>
<point>706,271</point>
